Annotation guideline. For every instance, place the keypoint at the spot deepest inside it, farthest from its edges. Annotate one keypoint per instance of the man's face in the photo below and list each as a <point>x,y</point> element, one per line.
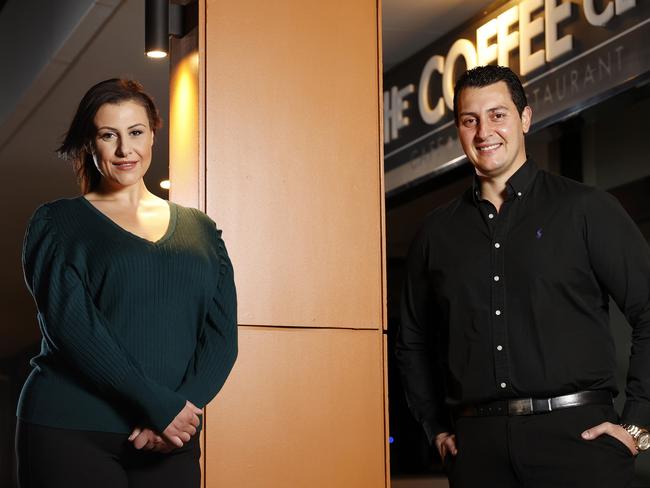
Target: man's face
<point>491,130</point>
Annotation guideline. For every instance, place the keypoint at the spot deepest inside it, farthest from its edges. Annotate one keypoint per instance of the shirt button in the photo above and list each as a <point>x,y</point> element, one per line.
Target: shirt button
<point>503,385</point>
<point>497,245</point>
<point>490,216</point>
<point>499,348</point>
<point>497,312</point>
<point>496,278</point>
<point>518,193</point>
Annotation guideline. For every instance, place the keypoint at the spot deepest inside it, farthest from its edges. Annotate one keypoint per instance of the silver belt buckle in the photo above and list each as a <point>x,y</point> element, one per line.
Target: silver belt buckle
<point>523,406</point>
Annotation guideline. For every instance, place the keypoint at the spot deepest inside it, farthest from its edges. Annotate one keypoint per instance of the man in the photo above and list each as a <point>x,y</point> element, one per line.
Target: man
<point>504,347</point>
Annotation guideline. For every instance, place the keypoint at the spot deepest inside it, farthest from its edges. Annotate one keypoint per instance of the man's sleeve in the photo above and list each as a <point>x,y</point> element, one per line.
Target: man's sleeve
<point>415,349</point>
<point>620,258</point>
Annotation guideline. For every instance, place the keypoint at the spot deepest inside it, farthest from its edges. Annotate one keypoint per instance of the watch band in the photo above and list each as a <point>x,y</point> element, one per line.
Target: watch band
<point>638,433</point>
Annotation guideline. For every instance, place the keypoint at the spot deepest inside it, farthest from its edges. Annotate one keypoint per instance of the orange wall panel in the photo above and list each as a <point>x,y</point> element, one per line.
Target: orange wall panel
<point>303,408</point>
<point>293,158</point>
<point>290,133</point>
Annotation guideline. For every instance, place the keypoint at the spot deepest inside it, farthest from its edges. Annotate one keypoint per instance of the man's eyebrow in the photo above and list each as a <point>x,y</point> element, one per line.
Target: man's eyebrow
<point>493,109</point>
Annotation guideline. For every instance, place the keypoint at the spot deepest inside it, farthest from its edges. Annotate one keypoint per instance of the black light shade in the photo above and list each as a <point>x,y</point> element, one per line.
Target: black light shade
<point>156,37</point>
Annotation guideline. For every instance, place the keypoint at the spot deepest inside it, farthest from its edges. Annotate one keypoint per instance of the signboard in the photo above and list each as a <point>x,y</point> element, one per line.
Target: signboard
<point>569,55</point>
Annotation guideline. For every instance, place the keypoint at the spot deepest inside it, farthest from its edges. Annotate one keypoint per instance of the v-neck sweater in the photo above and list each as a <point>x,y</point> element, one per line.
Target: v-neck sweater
<point>131,328</point>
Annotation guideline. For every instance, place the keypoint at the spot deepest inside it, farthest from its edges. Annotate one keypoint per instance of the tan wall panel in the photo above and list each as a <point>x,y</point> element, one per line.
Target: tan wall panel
<point>303,408</point>
<point>382,189</point>
<point>384,366</point>
<point>292,155</point>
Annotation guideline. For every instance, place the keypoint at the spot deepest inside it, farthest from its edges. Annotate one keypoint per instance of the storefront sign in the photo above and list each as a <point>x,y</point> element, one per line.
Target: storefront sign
<point>569,55</point>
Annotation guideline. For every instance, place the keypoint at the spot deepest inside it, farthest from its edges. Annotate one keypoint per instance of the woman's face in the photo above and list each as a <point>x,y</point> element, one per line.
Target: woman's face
<point>122,144</point>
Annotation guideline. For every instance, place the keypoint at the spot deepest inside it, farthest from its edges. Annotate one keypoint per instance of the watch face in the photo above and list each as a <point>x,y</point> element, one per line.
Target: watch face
<point>643,441</point>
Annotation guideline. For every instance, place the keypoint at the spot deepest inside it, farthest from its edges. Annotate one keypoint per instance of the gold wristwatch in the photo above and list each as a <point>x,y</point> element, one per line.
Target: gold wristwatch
<point>640,435</point>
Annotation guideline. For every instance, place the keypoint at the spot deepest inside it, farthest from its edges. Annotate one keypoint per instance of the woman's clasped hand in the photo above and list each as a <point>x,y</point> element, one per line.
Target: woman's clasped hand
<point>177,433</point>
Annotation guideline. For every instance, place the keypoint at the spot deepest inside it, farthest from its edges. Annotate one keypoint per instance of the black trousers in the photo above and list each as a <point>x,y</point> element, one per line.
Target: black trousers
<point>51,458</point>
<point>539,451</point>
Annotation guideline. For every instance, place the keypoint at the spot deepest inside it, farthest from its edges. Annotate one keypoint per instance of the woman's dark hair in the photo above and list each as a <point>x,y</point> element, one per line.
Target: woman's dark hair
<point>487,75</point>
<point>77,145</point>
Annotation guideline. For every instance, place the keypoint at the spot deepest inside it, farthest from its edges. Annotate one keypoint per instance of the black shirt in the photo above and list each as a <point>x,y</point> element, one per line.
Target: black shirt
<point>516,303</point>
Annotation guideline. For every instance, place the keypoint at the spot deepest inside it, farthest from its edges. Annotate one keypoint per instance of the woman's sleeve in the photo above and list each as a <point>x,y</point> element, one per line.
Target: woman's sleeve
<point>216,351</point>
<point>75,329</point>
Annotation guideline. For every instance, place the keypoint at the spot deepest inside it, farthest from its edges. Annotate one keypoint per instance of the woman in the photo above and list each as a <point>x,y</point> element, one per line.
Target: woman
<point>137,307</point>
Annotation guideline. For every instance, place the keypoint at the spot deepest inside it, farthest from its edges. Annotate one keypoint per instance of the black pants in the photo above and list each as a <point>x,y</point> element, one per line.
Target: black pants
<point>539,451</point>
<point>52,458</point>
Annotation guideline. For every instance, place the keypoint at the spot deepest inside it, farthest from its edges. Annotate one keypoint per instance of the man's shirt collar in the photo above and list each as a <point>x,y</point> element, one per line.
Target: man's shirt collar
<point>517,184</point>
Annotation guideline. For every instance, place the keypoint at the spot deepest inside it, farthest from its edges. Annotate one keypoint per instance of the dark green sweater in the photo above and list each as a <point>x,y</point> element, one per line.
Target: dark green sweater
<point>131,328</point>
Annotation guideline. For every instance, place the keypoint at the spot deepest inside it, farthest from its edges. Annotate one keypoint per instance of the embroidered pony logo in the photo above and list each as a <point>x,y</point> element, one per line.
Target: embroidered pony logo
<point>538,233</point>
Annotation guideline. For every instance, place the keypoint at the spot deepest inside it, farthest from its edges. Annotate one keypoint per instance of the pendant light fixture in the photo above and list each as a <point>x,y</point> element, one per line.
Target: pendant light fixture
<point>156,32</point>
<point>162,20</point>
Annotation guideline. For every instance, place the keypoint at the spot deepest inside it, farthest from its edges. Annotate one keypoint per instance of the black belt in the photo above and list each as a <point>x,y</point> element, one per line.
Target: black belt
<point>531,406</point>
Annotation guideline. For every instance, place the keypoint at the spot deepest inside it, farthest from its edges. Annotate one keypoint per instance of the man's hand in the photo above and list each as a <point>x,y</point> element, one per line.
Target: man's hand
<point>613,430</point>
<point>446,443</point>
<point>184,425</point>
<point>147,439</point>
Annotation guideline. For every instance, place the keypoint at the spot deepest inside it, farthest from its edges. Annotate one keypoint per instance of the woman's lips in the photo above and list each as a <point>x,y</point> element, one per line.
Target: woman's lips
<point>125,165</point>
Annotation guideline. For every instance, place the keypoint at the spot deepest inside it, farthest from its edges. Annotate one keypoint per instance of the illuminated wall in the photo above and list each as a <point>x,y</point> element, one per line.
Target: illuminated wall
<point>285,99</point>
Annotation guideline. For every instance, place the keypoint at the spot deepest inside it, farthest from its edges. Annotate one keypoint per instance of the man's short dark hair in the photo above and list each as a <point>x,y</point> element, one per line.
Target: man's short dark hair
<point>488,75</point>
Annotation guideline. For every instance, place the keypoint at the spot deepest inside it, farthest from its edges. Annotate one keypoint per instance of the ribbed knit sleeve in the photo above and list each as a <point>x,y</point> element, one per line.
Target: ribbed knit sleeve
<point>72,326</point>
<point>216,350</point>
